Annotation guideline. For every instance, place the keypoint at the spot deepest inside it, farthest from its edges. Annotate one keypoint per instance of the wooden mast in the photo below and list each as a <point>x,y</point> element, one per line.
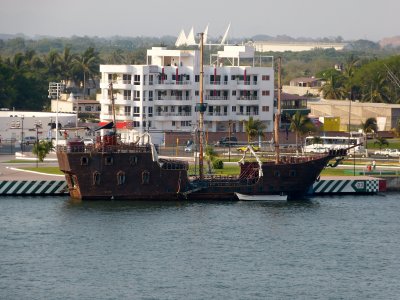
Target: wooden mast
<point>201,109</point>
<point>113,108</point>
<point>278,114</point>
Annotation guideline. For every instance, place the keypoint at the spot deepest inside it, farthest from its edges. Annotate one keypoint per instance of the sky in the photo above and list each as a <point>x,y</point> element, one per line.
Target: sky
<point>350,19</point>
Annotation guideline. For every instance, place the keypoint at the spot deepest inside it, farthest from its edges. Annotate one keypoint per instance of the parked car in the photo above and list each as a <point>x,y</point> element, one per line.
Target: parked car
<point>87,141</point>
<point>388,152</point>
<point>189,146</point>
<point>244,148</point>
<point>226,141</point>
<point>29,140</point>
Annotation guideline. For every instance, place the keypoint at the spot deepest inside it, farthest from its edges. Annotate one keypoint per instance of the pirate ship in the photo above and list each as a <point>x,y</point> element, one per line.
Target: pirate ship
<point>111,169</point>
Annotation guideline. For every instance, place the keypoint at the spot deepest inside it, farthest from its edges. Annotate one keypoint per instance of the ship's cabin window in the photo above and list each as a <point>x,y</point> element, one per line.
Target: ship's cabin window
<point>108,160</point>
<point>84,161</point>
<point>145,177</point>
<point>133,160</point>
<point>277,174</point>
<point>121,178</point>
<point>96,178</point>
<point>73,180</point>
<point>292,173</point>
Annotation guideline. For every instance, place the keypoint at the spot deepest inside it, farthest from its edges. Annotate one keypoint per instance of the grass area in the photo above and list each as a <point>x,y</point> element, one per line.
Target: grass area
<point>19,161</point>
<point>393,144</point>
<point>47,170</point>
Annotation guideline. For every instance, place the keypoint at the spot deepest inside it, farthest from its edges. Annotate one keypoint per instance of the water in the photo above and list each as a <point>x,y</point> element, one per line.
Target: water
<point>328,248</point>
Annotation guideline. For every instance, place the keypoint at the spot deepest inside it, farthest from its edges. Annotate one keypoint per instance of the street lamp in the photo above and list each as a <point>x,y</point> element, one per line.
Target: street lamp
<point>22,134</point>
<point>37,144</point>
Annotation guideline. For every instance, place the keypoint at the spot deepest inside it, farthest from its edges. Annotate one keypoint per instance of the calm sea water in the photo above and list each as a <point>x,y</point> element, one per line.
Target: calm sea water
<point>328,248</point>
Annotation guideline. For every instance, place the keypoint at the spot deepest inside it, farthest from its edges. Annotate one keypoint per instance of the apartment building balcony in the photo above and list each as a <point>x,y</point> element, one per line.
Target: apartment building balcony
<point>173,82</point>
<point>217,116</point>
<point>166,116</point>
<point>248,98</point>
<point>216,97</point>
<point>217,82</point>
<point>247,113</point>
<point>246,83</point>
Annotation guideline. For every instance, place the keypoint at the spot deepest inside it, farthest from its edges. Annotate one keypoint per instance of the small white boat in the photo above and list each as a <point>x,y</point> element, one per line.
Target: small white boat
<point>261,197</point>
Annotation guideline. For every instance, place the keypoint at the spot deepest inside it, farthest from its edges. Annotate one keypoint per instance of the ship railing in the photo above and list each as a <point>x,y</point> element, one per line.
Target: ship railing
<point>102,148</point>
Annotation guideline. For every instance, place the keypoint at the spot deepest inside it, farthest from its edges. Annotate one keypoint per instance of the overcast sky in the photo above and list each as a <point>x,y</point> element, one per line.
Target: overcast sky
<point>351,19</point>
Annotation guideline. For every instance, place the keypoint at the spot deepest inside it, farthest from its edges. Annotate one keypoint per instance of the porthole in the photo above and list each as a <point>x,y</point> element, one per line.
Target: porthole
<point>133,160</point>
<point>145,177</point>
<point>108,160</point>
<point>84,161</point>
<point>121,178</point>
<point>96,178</point>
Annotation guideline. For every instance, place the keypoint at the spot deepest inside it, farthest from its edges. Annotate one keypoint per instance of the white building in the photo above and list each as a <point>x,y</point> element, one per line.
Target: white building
<point>162,95</point>
<point>16,125</point>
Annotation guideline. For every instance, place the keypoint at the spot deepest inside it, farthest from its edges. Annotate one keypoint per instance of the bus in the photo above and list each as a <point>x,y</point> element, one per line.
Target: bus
<point>323,144</point>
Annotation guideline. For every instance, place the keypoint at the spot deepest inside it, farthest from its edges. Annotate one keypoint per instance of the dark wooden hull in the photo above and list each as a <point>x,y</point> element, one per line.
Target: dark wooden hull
<point>133,174</point>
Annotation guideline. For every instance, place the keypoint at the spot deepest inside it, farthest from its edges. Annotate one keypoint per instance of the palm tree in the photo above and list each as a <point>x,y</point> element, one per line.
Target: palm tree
<point>254,128</point>
<point>66,64</point>
<point>301,124</point>
<point>52,64</point>
<point>87,63</point>
<point>380,142</point>
<point>370,126</point>
<point>332,89</point>
<point>377,90</point>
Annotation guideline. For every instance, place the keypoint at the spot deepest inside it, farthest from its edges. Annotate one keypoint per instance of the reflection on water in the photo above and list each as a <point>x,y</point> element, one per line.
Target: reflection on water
<point>345,247</point>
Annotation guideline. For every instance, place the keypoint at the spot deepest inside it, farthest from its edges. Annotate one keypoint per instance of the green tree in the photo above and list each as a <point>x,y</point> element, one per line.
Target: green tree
<point>380,142</point>
<point>42,148</point>
<point>300,124</point>
<point>87,64</point>
<point>254,128</point>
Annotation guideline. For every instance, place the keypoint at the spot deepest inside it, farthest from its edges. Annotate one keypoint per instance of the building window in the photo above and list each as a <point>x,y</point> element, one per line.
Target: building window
<point>127,95</point>
<point>136,79</point>
<point>186,123</point>
<point>150,111</point>
<point>265,108</point>
<point>265,77</point>
<point>292,173</point>
<point>150,79</point>
<point>126,78</point>
<point>136,111</point>
<point>150,95</point>
<point>233,108</point>
<point>265,93</point>
<point>127,110</point>
<point>136,95</point>
<point>196,78</point>
<point>196,93</point>
<point>173,123</point>
<point>233,93</point>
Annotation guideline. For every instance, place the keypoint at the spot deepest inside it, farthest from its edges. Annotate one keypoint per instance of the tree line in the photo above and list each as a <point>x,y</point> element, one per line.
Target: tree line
<point>26,67</point>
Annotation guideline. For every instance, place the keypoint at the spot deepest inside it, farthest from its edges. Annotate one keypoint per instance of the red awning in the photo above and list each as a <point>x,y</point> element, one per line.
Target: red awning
<point>120,125</point>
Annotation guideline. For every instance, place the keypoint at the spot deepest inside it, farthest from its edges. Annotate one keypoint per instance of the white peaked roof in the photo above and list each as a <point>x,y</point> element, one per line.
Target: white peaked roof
<point>190,41</point>
<point>181,39</point>
<point>225,35</point>
<point>205,36</point>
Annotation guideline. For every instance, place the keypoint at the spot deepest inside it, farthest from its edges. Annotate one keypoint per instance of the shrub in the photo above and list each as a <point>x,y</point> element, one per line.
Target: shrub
<point>218,164</point>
